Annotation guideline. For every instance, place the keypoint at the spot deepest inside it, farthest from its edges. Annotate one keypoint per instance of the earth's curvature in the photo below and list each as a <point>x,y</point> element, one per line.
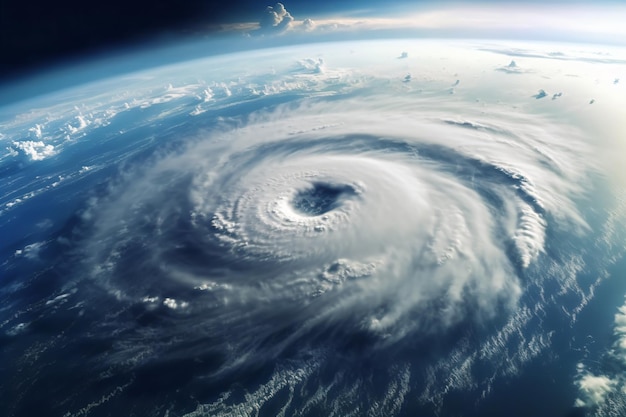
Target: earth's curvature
<point>320,230</point>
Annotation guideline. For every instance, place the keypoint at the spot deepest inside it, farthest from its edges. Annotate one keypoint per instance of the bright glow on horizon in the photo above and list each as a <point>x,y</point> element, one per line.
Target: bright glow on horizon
<point>576,22</point>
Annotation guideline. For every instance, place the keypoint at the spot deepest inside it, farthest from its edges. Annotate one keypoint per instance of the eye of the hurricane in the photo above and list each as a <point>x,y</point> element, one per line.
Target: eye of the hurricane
<point>321,198</point>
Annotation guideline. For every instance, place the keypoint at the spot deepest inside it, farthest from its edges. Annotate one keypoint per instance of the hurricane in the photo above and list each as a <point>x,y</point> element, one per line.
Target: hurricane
<point>373,226</point>
<point>358,243</point>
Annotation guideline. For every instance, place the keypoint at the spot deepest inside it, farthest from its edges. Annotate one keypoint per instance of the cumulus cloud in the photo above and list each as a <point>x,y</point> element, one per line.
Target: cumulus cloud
<point>511,68</point>
<point>605,389</point>
<point>35,150</point>
<point>175,304</point>
<point>593,390</point>
<point>312,65</point>
<point>275,19</point>
<point>308,24</point>
<point>620,331</point>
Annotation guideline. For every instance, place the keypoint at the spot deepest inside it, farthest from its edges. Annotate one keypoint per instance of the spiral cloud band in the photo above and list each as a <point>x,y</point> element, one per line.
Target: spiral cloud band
<point>365,236</point>
<point>390,224</point>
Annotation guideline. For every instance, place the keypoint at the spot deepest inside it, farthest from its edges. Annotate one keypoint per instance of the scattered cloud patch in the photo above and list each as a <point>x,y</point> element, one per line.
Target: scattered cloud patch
<point>81,124</point>
<point>403,55</point>
<point>35,150</point>
<point>593,100</point>
<point>37,131</point>
<point>620,331</point>
<point>45,224</point>
<point>12,152</point>
<point>605,389</point>
<point>460,20</point>
<point>593,389</point>
<point>17,329</point>
<point>30,251</point>
<point>312,65</point>
<point>275,19</point>
<point>58,299</point>
<point>616,81</point>
<point>512,68</point>
<point>308,25</point>
<point>174,304</point>
<point>540,94</point>
<point>556,95</point>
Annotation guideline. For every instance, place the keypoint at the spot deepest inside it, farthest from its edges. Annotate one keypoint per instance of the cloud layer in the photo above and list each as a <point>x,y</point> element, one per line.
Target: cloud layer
<point>322,216</point>
<point>576,22</point>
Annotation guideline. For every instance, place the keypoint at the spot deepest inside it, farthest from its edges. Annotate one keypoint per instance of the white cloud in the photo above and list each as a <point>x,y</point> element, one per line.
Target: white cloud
<point>512,68</point>
<point>593,389</point>
<point>275,19</point>
<point>529,235</point>
<point>30,251</point>
<point>17,329</point>
<point>175,304</point>
<point>308,24</point>
<point>35,150</point>
<point>576,22</point>
<point>312,65</point>
<point>620,333</point>
<point>606,391</point>
<point>37,131</point>
<point>12,152</point>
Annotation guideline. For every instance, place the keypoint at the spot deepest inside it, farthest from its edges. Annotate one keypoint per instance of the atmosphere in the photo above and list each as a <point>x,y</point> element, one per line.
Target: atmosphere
<point>313,209</point>
<point>49,34</point>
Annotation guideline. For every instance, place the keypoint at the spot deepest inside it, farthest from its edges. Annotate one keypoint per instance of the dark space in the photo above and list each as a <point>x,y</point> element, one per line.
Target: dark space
<point>40,34</point>
<point>36,34</point>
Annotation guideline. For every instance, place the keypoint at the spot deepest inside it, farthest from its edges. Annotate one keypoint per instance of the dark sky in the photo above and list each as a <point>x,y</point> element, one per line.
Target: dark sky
<point>37,33</point>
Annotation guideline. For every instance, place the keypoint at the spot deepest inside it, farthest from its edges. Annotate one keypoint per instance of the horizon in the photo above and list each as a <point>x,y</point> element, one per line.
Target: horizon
<point>42,38</point>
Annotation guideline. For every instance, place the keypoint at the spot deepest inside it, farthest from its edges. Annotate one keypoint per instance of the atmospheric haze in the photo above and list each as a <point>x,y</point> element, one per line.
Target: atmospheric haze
<point>387,227</point>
